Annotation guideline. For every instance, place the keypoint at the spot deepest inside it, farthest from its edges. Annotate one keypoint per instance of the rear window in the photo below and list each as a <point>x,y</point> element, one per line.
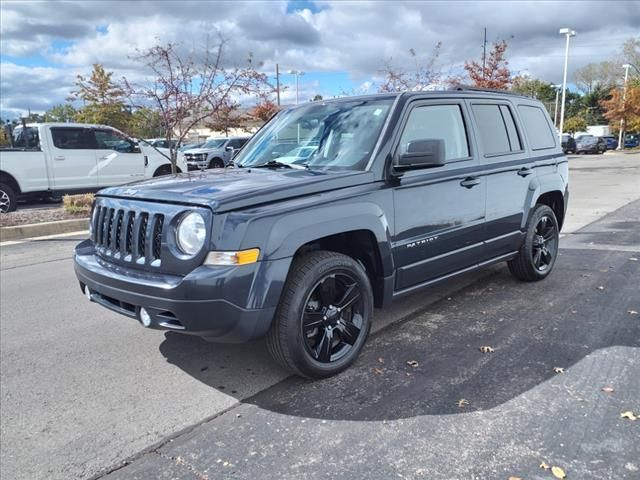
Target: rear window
<point>67,138</point>
<point>537,127</point>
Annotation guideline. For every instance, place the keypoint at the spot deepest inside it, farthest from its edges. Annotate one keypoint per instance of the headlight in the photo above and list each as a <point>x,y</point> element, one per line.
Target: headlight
<point>191,233</point>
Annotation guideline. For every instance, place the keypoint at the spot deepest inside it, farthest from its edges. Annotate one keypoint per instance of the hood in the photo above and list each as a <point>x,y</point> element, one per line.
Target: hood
<point>202,150</point>
<point>236,188</point>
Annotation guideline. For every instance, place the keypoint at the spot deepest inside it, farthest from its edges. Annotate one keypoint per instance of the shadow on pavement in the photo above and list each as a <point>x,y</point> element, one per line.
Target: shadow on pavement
<point>532,327</point>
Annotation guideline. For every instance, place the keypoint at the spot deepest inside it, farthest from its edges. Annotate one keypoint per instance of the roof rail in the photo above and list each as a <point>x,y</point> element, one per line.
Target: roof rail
<point>487,90</point>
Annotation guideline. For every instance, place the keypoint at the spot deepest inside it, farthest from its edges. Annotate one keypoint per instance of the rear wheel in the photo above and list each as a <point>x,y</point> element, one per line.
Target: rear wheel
<point>538,253</point>
<point>8,199</point>
<point>324,315</point>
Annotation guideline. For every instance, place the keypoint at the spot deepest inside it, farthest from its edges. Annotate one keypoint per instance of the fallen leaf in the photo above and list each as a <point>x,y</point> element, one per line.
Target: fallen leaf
<point>558,472</point>
<point>544,466</point>
<point>487,349</point>
<point>632,312</point>
<point>630,415</point>
<point>377,371</point>
<point>413,363</point>
<point>380,359</point>
<point>462,402</point>
<point>600,287</point>
<point>558,369</point>
<point>607,389</point>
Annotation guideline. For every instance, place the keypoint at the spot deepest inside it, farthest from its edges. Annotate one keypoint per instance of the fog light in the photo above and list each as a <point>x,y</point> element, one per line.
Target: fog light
<point>87,292</point>
<point>145,318</point>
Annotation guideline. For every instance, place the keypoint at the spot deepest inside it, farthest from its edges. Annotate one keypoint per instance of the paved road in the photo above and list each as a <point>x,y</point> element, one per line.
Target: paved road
<point>83,389</point>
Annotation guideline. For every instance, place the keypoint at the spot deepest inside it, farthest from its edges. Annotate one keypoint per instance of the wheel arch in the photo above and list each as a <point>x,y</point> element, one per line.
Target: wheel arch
<point>10,180</point>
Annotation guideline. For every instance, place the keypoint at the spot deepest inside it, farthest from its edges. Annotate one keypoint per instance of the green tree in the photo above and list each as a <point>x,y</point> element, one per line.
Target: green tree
<point>532,87</point>
<point>61,113</point>
<point>146,122</point>
<point>103,99</point>
<point>575,124</point>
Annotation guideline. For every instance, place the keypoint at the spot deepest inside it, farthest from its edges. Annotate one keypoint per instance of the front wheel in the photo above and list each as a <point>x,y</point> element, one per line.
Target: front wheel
<point>538,253</point>
<point>324,315</point>
<point>216,163</point>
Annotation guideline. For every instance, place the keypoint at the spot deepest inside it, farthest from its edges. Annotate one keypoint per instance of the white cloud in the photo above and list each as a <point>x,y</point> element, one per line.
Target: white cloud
<point>354,37</point>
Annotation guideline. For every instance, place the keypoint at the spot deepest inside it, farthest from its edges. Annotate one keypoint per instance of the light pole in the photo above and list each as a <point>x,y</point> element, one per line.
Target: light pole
<point>568,33</point>
<point>555,111</point>
<point>297,73</point>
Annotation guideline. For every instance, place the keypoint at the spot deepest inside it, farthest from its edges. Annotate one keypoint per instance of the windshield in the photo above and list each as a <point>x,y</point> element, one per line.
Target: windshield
<point>215,143</point>
<point>334,135</point>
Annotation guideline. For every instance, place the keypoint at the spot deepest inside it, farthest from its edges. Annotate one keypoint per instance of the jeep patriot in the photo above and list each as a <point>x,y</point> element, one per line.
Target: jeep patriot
<point>394,192</point>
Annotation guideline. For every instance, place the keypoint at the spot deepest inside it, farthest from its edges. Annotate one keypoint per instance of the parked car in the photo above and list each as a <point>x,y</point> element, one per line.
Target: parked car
<point>568,144</point>
<point>161,143</point>
<point>215,153</point>
<point>612,142</point>
<point>631,140</point>
<point>57,158</point>
<point>590,144</point>
<point>403,191</point>
<point>190,146</point>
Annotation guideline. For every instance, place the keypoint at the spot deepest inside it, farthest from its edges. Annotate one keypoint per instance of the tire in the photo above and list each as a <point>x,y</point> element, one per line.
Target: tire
<point>216,163</point>
<point>8,199</point>
<point>163,170</point>
<point>306,296</point>
<point>543,235</point>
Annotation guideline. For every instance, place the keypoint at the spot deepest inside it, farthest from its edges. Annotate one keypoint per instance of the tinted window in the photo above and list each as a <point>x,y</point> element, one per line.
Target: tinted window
<point>26,138</point>
<point>514,138</point>
<point>237,143</point>
<point>73,138</point>
<point>437,122</point>
<point>112,140</point>
<point>491,129</point>
<point>537,127</point>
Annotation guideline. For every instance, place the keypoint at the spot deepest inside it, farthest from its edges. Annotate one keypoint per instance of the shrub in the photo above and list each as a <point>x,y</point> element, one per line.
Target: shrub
<point>78,204</point>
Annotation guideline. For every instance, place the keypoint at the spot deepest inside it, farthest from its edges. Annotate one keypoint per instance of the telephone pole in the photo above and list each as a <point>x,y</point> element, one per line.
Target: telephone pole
<point>484,51</point>
<point>278,83</point>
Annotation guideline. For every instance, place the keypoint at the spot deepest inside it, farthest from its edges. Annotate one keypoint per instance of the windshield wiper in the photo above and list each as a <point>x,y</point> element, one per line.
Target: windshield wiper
<point>277,164</point>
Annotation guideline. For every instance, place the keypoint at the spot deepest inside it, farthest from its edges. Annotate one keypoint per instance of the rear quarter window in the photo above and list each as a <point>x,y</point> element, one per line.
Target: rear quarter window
<point>537,127</point>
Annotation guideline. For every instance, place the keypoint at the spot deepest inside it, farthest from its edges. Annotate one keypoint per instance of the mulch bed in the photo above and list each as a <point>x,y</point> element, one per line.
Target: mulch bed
<point>37,215</point>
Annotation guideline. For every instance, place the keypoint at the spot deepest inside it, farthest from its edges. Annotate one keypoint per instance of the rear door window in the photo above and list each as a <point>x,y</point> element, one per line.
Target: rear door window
<point>72,138</point>
<point>537,127</point>
<point>491,129</point>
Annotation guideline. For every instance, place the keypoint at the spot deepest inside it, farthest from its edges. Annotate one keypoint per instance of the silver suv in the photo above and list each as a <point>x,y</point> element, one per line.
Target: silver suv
<point>215,153</point>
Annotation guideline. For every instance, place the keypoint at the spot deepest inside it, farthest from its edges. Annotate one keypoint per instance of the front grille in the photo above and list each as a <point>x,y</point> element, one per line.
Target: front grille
<point>128,235</point>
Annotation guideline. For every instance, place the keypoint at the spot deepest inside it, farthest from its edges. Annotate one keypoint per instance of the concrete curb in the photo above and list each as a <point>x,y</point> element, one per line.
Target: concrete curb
<point>19,232</point>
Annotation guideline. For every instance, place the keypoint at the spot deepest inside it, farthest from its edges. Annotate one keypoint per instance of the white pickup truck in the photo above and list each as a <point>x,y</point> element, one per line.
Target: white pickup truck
<point>54,158</point>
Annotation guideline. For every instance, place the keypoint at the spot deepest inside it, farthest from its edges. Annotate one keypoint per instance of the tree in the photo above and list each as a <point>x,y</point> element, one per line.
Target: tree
<point>532,87</point>
<point>226,117</point>
<point>424,75</point>
<point>188,89</point>
<point>575,124</point>
<point>317,97</point>
<point>103,99</point>
<point>495,74</point>
<point>631,51</point>
<point>601,75</point>
<point>146,122</point>
<point>61,113</point>
<point>626,109</point>
<point>264,110</point>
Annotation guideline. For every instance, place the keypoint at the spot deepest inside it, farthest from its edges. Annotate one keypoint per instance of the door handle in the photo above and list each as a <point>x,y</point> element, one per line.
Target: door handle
<point>59,157</point>
<point>469,182</point>
<point>524,171</point>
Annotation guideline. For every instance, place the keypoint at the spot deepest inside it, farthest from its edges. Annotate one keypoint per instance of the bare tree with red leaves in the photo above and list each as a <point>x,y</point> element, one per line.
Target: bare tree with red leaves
<point>495,74</point>
<point>188,89</point>
<point>425,75</point>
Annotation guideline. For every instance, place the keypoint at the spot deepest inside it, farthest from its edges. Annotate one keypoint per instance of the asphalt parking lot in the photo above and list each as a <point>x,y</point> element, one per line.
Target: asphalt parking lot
<point>88,394</point>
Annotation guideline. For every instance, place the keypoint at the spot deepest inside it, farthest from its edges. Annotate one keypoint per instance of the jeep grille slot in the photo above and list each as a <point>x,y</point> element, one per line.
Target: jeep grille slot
<point>128,235</point>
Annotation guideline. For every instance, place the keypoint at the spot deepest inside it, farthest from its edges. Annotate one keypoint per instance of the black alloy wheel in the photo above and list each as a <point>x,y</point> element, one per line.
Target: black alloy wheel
<point>332,318</point>
<point>216,163</point>
<point>324,316</point>
<point>539,250</point>
<point>545,243</point>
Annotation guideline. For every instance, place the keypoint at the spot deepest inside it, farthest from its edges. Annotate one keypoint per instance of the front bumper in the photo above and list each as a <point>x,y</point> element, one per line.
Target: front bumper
<point>223,304</point>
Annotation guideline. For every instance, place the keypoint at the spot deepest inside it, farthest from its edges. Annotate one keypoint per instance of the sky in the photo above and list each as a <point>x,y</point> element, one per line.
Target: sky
<point>340,45</point>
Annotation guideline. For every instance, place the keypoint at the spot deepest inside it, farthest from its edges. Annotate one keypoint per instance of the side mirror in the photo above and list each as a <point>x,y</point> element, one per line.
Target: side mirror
<point>135,148</point>
<point>229,149</point>
<point>422,153</point>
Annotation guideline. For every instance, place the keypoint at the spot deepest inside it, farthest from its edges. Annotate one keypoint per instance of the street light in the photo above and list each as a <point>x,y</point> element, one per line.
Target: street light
<point>568,33</point>
<point>624,97</point>
<point>297,73</point>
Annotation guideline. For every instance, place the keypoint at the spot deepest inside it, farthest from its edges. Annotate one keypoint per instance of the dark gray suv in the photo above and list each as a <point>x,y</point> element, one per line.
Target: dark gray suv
<point>398,192</point>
